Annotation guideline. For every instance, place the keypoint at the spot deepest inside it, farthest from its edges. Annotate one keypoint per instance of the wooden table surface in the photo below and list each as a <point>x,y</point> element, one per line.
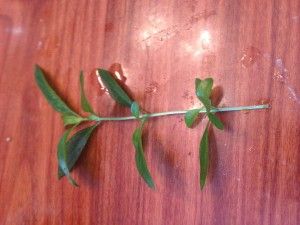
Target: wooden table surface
<point>250,48</point>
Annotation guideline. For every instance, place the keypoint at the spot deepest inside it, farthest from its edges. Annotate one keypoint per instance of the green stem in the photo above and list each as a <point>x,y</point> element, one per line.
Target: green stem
<point>224,109</point>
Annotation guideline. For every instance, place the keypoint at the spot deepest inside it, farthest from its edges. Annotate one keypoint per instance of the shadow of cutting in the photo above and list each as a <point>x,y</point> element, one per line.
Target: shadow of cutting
<point>165,162</point>
<point>198,120</point>
<point>216,98</point>
<point>89,162</point>
<point>166,165</point>
<point>217,95</point>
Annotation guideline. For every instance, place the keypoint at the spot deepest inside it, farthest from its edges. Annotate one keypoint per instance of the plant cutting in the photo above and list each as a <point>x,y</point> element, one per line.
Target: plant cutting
<point>72,144</point>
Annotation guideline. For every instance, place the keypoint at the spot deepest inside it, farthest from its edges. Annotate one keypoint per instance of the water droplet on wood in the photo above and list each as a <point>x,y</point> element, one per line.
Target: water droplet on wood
<point>151,88</point>
<point>103,89</point>
<point>117,71</point>
<point>250,56</point>
<point>280,72</point>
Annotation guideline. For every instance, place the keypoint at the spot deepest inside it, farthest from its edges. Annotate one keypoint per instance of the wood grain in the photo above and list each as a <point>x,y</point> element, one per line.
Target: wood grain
<point>250,48</point>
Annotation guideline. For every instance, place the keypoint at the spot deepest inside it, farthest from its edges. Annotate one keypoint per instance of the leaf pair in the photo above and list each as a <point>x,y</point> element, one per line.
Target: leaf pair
<point>62,156</point>
<point>74,147</point>
<point>120,96</point>
<point>203,90</point>
<point>68,115</point>
<point>68,151</point>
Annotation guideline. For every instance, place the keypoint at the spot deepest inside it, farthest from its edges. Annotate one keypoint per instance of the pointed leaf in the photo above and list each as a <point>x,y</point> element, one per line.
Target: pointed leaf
<point>57,103</point>
<point>71,119</point>
<point>139,156</point>
<point>61,156</point>
<point>203,91</point>
<point>114,89</point>
<point>190,117</point>
<point>135,109</point>
<point>215,121</point>
<point>204,160</point>
<point>204,87</point>
<point>75,146</point>
<point>85,105</point>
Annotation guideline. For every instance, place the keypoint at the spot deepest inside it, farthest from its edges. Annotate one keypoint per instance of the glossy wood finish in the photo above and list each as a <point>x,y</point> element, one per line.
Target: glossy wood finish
<point>250,48</point>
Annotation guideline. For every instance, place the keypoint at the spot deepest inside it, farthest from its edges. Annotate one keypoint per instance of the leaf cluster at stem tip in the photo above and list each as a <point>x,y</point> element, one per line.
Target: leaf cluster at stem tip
<point>68,149</point>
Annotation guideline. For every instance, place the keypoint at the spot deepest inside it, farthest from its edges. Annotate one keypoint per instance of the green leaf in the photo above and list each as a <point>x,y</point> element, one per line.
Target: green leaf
<point>215,121</point>
<point>191,116</point>
<point>114,89</point>
<point>62,156</point>
<point>204,87</point>
<point>71,119</point>
<point>139,155</point>
<point>204,160</point>
<point>57,103</point>
<point>135,110</point>
<point>75,147</point>
<point>207,103</point>
<point>203,91</point>
<point>85,105</point>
